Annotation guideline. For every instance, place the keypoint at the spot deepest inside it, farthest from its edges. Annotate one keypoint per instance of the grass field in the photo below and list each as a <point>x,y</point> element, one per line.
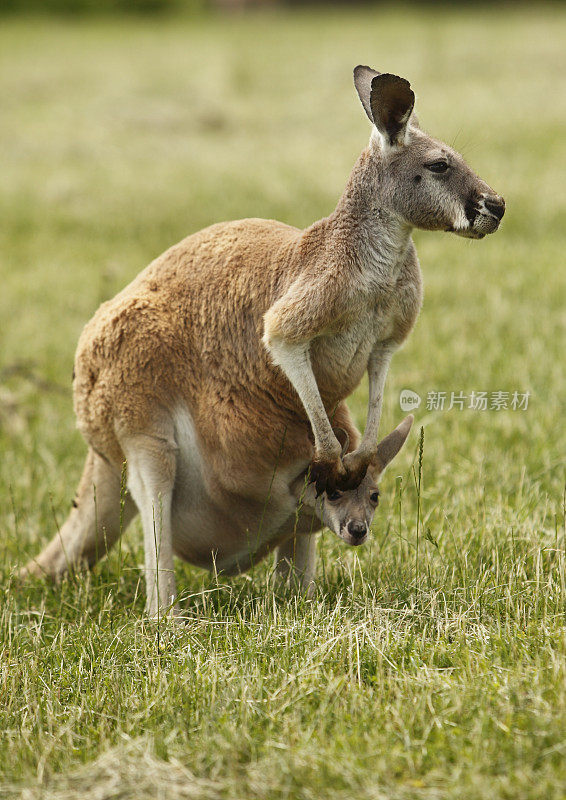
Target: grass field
<point>430,663</point>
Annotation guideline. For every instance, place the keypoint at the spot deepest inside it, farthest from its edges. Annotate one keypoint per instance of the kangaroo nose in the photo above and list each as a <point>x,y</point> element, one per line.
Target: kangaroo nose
<point>357,528</point>
<point>495,205</point>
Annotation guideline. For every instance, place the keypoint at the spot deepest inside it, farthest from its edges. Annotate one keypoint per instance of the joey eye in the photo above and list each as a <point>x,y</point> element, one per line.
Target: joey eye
<point>333,496</point>
<point>438,166</point>
<point>374,496</point>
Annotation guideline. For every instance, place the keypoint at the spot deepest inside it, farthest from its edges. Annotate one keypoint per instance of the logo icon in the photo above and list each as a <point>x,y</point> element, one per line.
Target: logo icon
<point>409,400</point>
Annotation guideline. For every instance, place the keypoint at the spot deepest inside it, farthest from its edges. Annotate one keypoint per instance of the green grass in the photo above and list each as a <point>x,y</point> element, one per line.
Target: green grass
<point>436,672</point>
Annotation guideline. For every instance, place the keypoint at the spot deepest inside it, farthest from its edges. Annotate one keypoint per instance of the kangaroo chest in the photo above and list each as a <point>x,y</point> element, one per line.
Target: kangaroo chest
<point>340,357</point>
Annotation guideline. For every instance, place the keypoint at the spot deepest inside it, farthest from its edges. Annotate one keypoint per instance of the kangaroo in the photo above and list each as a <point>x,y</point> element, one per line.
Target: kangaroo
<point>220,373</point>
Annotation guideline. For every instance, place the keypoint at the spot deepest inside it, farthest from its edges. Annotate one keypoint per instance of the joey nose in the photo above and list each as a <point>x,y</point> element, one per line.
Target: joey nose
<point>495,205</point>
<point>357,528</point>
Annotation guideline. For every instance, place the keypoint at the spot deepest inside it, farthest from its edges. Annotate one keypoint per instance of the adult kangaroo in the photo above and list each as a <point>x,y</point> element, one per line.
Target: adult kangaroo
<point>219,374</point>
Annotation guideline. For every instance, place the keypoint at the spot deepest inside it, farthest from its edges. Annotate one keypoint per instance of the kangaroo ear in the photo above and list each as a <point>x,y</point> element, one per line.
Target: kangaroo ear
<point>392,101</point>
<point>388,448</point>
<point>363,77</point>
<point>343,438</point>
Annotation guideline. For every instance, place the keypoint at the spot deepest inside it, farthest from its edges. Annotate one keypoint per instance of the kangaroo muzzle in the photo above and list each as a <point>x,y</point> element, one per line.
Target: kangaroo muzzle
<point>484,213</point>
<point>354,532</point>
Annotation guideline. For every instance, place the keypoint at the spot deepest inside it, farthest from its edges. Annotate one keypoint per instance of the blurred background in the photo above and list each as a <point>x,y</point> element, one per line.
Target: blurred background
<point>195,7</point>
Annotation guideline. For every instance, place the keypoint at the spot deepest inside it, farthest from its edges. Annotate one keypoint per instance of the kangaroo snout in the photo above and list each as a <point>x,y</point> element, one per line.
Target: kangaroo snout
<point>484,212</point>
<point>356,532</point>
<point>495,205</point>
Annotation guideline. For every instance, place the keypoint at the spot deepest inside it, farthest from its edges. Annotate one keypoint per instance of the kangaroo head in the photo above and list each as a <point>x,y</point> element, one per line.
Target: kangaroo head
<point>422,180</point>
<point>349,514</point>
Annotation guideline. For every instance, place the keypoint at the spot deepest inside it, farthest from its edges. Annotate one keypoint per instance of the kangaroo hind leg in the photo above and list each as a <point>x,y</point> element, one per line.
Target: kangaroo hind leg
<point>152,465</point>
<point>100,514</point>
<point>295,562</point>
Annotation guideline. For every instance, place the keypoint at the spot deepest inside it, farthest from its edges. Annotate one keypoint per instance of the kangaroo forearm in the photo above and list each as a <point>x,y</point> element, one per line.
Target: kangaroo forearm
<point>377,373</point>
<point>295,362</point>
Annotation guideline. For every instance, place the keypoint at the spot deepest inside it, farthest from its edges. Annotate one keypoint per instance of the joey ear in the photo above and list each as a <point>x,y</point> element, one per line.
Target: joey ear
<point>388,448</point>
<point>343,438</point>
<point>392,101</point>
<point>363,77</point>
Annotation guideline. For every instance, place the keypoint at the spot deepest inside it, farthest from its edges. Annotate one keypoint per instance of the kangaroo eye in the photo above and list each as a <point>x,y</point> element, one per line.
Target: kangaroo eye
<point>333,496</point>
<point>438,166</point>
<point>374,497</point>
